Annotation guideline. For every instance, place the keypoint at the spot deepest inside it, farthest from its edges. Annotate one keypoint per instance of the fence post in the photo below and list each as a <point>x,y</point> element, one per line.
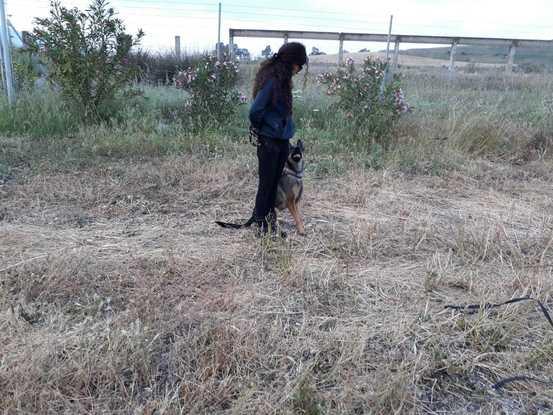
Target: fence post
<point>341,50</point>
<point>6,54</point>
<point>231,44</point>
<point>452,58</point>
<point>511,60</point>
<point>396,54</point>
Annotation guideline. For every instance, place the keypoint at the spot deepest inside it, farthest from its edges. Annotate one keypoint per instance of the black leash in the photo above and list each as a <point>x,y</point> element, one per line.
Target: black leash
<point>474,308</point>
<point>501,384</point>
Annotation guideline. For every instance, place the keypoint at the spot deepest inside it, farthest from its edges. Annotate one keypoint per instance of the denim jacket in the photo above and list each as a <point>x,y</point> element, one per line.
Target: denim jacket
<point>271,120</point>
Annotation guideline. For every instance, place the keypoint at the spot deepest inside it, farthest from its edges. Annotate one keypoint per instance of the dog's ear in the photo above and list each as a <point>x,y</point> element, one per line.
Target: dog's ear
<point>299,144</point>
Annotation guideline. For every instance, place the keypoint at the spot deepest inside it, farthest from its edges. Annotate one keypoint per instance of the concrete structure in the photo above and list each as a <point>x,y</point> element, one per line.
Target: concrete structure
<point>454,41</point>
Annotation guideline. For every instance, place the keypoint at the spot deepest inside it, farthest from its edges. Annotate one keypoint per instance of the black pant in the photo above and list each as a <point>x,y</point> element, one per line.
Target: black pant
<point>272,154</point>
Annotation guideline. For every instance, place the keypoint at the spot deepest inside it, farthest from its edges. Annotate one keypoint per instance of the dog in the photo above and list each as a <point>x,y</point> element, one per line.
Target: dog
<point>289,190</point>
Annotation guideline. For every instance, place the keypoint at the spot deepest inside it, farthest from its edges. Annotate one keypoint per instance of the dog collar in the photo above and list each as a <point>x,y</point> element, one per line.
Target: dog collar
<point>289,172</point>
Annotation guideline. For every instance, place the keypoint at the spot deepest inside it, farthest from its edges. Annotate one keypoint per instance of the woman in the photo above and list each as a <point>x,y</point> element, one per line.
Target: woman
<point>272,124</point>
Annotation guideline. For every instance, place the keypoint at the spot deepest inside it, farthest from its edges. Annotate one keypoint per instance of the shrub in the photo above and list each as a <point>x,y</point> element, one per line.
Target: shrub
<point>530,67</point>
<point>159,68</point>
<point>372,112</point>
<point>87,53</point>
<point>213,98</point>
<point>24,71</point>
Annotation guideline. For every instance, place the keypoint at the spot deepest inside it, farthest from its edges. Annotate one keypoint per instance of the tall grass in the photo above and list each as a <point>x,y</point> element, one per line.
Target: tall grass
<point>491,117</point>
<point>36,114</point>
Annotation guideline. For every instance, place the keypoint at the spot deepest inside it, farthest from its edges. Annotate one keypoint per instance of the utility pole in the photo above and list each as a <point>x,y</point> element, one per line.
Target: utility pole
<point>6,53</point>
<point>219,36</point>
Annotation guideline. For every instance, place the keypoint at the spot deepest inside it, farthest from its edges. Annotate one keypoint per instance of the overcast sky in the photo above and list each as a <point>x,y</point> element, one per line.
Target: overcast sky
<point>196,20</point>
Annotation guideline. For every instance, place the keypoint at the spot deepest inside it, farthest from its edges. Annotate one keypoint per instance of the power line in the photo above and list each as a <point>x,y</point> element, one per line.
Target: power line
<point>202,10</point>
<point>311,12</point>
<point>260,11</point>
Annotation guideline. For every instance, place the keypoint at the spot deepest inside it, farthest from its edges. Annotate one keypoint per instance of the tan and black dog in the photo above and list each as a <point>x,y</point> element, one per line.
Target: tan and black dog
<point>289,191</point>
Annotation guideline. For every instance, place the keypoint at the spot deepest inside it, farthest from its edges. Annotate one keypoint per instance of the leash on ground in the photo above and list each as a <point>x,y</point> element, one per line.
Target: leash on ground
<point>499,385</point>
<point>474,308</point>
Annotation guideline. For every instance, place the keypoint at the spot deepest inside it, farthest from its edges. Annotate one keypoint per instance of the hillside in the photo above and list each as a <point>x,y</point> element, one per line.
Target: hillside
<point>533,59</point>
<point>487,54</point>
<point>404,59</point>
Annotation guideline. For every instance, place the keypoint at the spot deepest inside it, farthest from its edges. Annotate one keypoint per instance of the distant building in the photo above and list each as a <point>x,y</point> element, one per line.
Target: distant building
<point>16,38</point>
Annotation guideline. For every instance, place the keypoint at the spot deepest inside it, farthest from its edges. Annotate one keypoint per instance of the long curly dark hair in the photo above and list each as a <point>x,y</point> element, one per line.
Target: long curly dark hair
<point>279,69</point>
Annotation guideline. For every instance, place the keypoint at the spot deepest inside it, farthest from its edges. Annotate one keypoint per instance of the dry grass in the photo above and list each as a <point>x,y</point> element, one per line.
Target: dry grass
<point>119,295</point>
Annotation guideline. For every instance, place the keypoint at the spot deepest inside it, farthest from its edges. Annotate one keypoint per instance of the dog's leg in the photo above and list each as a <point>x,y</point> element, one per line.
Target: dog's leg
<point>299,220</point>
<point>293,208</point>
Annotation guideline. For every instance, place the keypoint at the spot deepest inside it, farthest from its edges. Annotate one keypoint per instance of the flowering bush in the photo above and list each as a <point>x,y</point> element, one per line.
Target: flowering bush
<point>400,103</point>
<point>372,112</point>
<point>213,99</point>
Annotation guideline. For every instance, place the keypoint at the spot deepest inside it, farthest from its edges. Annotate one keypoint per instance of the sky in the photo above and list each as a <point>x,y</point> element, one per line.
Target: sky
<point>196,21</point>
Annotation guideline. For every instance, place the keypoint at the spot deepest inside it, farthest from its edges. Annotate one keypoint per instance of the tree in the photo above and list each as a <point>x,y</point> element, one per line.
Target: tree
<point>87,53</point>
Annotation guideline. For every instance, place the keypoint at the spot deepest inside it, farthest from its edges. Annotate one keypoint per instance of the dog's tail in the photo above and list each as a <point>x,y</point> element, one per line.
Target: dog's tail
<point>236,225</point>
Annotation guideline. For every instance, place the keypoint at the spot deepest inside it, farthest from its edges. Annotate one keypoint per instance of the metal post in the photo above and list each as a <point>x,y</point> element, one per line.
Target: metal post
<point>219,36</point>
<point>6,53</point>
<point>511,60</point>
<point>177,47</point>
<point>341,50</point>
<point>2,67</point>
<point>15,32</point>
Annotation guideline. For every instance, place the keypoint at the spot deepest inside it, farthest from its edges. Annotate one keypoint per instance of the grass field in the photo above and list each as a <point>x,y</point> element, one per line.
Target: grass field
<point>118,293</point>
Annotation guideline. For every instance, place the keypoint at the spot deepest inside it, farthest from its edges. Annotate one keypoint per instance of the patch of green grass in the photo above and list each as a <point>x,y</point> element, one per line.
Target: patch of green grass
<point>37,114</point>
